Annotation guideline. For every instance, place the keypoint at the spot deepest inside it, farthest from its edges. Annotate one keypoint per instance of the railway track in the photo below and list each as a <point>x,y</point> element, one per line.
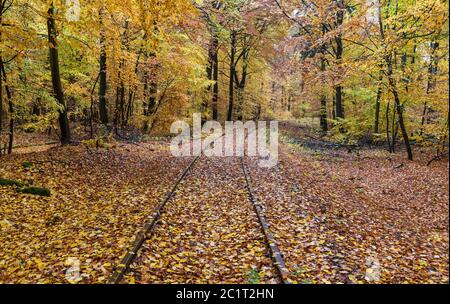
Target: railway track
<point>146,231</point>
<point>276,254</point>
<point>143,235</point>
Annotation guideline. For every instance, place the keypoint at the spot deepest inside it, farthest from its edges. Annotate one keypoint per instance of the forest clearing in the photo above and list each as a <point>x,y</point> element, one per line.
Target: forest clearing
<point>93,95</point>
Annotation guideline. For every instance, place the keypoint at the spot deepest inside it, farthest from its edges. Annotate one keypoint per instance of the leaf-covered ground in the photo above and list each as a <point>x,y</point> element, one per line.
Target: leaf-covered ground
<point>344,218</point>
<point>209,232</point>
<point>338,217</point>
<point>99,200</point>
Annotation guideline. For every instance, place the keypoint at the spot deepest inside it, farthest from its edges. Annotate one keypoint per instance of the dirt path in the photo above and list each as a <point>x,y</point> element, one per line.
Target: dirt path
<point>209,232</point>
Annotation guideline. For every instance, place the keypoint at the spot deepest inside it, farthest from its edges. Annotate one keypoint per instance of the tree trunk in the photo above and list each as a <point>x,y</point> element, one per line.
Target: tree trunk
<point>11,121</point>
<point>1,101</point>
<point>399,108</point>
<point>432,71</point>
<point>323,103</point>
<point>215,78</point>
<point>378,104</point>
<point>152,97</point>
<point>339,52</point>
<point>10,104</point>
<point>393,88</point>
<point>56,78</point>
<point>339,107</point>
<point>102,90</point>
<point>273,99</point>
<point>102,105</point>
<point>232,73</point>
<point>388,136</point>
<point>209,74</point>
<point>240,84</point>
<point>1,79</point>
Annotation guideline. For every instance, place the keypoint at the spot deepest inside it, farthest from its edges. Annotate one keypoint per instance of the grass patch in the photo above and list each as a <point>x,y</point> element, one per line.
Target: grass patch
<point>254,277</point>
<point>11,182</point>
<point>35,191</point>
<point>22,187</point>
<point>27,165</point>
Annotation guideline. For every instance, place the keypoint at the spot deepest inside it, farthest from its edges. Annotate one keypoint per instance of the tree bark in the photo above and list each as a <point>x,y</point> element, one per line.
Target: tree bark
<point>339,107</point>
<point>102,90</point>
<point>56,77</point>
<point>209,74</point>
<point>273,98</point>
<point>232,73</point>
<point>393,88</point>
<point>378,104</point>
<point>240,84</point>
<point>152,97</point>
<point>432,71</point>
<point>323,103</point>
<point>1,101</point>
<point>10,105</point>
<point>399,108</point>
<point>215,63</point>
<point>388,136</point>
<point>1,79</point>
<point>339,52</point>
<point>102,105</point>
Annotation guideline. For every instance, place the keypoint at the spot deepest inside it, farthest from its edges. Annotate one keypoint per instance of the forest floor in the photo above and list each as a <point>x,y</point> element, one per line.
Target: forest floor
<point>338,217</point>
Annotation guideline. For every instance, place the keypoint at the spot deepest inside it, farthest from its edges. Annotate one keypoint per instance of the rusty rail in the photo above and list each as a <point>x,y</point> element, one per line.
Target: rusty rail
<point>277,256</point>
<point>146,231</point>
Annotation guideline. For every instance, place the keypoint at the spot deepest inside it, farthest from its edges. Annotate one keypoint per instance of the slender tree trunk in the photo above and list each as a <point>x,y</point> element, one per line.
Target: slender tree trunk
<point>152,94</point>
<point>339,52</point>
<point>273,98</point>
<point>152,97</point>
<point>241,85</point>
<point>323,103</point>
<point>56,78</point>
<point>339,108</point>
<point>378,104</point>
<point>209,74</point>
<point>432,71</point>
<point>102,90</point>
<point>1,78</point>
<point>144,102</point>
<point>122,103</point>
<point>232,73</point>
<point>388,136</point>
<point>132,88</point>
<point>394,129</point>
<point>215,98</point>
<point>393,88</point>
<point>10,106</point>
<point>1,101</point>
<point>399,108</point>
<point>333,108</point>
<point>11,120</point>
<point>91,114</point>
<point>102,105</point>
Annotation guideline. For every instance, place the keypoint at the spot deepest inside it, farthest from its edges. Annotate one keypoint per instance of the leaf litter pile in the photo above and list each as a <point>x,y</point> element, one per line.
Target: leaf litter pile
<point>209,232</point>
<point>337,217</point>
<point>99,200</point>
<point>341,218</point>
